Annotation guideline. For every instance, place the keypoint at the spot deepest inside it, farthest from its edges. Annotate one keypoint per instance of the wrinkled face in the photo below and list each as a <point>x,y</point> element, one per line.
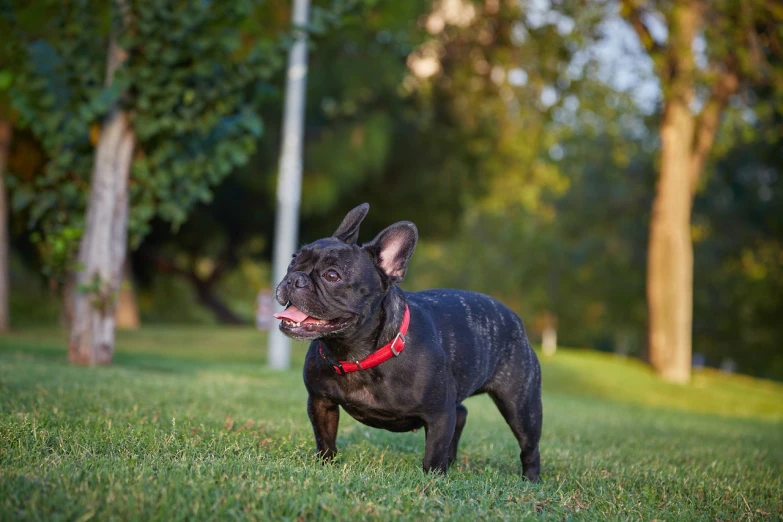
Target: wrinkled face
<point>330,287</point>
<point>333,285</point>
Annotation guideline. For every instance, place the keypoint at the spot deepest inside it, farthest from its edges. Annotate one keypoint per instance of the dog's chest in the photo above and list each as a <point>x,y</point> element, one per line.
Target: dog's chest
<point>376,408</point>
<point>362,397</point>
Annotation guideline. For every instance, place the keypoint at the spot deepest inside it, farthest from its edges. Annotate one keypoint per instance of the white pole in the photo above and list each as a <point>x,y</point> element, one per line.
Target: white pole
<point>289,180</point>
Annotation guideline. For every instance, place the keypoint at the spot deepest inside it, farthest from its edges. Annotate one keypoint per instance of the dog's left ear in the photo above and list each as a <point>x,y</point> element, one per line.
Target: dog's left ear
<point>393,247</point>
<point>348,230</point>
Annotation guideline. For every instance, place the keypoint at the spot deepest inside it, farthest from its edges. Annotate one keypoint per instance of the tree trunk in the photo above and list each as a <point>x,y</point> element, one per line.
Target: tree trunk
<point>670,257</point>
<point>103,245</point>
<point>549,335</point>
<point>208,298</point>
<point>127,308</point>
<point>670,254</point>
<point>686,141</point>
<point>5,145</point>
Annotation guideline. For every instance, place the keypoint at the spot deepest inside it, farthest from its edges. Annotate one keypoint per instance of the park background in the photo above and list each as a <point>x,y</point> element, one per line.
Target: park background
<point>604,168</point>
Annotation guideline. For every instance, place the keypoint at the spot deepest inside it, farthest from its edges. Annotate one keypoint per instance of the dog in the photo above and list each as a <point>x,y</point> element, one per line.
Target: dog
<point>399,360</point>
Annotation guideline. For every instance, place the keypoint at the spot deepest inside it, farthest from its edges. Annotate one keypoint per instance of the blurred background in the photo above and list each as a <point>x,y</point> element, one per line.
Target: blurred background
<point>524,138</point>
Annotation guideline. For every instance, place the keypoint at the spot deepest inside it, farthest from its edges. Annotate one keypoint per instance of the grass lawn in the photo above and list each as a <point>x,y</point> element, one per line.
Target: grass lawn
<point>189,425</point>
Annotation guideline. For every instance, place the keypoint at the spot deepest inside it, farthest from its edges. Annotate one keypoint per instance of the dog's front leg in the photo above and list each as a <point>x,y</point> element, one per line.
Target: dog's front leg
<point>324,415</point>
<point>439,430</point>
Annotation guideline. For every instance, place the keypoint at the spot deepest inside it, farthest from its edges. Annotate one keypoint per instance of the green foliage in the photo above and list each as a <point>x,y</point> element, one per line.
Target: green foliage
<point>746,37</point>
<point>358,126</point>
<point>357,118</point>
<point>31,302</point>
<point>351,152</point>
<point>6,77</point>
<point>58,246</point>
<point>544,236</point>
<point>195,86</point>
<point>738,231</point>
<point>737,76</point>
<point>7,61</point>
<point>169,300</point>
<point>191,83</point>
<point>58,99</point>
<point>201,430</point>
<point>464,137</point>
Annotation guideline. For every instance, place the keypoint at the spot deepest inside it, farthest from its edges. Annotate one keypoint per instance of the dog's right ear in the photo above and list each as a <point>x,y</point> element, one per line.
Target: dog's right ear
<point>348,231</point>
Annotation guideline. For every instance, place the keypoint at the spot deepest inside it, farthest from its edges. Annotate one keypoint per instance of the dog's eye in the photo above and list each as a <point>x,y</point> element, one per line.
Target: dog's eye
<point>331,276</point>
<point>293,262</point>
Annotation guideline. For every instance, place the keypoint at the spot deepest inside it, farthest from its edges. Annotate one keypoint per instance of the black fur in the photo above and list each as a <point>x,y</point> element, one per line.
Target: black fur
<point>459,344</point>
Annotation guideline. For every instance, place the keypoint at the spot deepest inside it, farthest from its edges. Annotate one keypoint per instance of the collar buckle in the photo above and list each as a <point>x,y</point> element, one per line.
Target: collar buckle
<point>401,337</point>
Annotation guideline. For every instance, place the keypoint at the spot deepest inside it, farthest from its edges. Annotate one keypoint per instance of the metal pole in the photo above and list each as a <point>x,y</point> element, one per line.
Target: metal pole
<point>289,180</point>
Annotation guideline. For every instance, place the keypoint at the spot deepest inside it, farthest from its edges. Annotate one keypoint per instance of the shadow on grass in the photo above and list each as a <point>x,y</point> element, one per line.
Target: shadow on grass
<point>162,351</point>
<point>130,361</point>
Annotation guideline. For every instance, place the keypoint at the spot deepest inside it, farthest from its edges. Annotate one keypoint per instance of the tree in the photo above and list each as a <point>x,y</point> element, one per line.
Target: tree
<point>105,237</point>
<point>738,224</point>
<point>5,145</point>
<point>7,59</point>
<point>739,36</point>
<point>167,123</point>
<point>348,141</point>
<point>127,314</point>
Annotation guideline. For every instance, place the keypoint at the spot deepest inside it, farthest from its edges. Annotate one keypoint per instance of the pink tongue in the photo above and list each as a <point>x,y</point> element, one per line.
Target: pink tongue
<point>293,314</point>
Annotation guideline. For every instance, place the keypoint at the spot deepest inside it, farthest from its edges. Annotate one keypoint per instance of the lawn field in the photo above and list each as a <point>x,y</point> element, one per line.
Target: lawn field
<point>189,425</point>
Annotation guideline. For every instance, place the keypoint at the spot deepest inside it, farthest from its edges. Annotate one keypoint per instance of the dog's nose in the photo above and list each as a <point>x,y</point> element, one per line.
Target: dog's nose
<point>298,279</point>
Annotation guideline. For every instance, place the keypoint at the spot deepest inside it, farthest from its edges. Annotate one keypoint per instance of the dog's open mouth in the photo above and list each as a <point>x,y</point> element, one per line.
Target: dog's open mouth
<point>295,321</point>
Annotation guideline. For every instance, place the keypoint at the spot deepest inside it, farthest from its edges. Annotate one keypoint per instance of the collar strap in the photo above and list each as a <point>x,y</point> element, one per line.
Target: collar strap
<point>382,354</point>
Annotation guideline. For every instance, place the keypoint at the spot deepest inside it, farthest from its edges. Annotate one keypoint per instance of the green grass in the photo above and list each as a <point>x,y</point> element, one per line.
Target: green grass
<point>189,425</point>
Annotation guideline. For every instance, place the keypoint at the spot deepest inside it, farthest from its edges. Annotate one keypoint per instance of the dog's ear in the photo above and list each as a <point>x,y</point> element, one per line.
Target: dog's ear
<point>348,230</point>
<point>392,249</point>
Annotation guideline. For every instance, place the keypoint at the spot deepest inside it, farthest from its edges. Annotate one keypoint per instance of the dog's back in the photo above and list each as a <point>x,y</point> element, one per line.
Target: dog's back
<point>483,339</point>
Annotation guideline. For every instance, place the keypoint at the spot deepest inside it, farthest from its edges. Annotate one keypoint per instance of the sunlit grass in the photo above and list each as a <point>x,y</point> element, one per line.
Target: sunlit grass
<point>188,424</point>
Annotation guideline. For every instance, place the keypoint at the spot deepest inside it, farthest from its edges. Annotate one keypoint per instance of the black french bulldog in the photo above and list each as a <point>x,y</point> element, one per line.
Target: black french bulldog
<point>344,298</point>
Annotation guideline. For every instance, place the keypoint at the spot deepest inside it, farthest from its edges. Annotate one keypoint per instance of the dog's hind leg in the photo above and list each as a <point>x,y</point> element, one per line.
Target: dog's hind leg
<point>522,409</point>
<point>462,416</point>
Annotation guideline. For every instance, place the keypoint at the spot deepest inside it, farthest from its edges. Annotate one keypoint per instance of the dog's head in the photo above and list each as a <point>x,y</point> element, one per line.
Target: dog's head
<point>333,286</point>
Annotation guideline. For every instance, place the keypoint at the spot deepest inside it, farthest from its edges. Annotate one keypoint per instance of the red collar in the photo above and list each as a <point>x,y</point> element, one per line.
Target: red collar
<point>382,354</point>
